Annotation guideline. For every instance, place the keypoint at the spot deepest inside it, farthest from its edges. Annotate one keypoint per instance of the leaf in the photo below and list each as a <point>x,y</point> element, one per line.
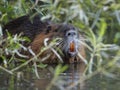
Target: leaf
<point>103,27</point>
<point>41,65</point>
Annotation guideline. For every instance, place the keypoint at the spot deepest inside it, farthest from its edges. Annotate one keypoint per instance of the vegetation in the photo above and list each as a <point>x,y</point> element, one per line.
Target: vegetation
<point>99,20</point>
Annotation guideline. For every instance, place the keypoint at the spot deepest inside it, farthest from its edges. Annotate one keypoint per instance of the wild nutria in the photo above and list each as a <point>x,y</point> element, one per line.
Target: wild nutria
<point>69,39</point>
<point>69,43</point>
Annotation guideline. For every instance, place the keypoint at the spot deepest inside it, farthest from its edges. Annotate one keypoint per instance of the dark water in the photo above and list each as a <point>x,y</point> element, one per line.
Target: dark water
<point>26,79</point>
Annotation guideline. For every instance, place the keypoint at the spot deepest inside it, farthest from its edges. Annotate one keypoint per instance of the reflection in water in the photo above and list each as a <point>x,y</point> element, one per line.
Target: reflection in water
<point>26,80</point>
<point>73,76</point>
<point>66,80</point>
<point>69,80</point>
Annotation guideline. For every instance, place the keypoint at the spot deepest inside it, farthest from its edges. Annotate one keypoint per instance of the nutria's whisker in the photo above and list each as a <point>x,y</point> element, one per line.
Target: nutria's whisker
<point>59,43</point>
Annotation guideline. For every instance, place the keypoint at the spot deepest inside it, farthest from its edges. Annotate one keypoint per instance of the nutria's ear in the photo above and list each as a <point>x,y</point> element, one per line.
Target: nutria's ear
<point>52,28</point>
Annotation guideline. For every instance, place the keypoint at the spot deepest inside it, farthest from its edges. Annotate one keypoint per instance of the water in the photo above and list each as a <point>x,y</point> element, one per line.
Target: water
<point>26,79</point>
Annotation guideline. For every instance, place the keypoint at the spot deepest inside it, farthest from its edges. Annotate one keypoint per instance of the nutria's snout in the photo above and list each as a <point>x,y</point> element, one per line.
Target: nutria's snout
<point>71,44</point>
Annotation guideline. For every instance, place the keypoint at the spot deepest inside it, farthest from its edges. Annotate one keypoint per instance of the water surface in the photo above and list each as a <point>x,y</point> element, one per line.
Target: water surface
<point>26,79</point>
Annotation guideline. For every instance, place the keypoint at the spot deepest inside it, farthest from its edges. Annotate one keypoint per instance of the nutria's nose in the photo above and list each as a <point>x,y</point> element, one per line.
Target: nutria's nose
<point>71,33</point>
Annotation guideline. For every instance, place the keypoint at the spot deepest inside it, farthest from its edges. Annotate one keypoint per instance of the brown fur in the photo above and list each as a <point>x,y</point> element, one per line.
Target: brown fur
<point>38,43</point>
<point>38,31</point>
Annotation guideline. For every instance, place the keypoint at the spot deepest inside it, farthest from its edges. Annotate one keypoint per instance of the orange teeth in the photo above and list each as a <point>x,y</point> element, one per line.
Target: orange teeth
<point>72,47</point>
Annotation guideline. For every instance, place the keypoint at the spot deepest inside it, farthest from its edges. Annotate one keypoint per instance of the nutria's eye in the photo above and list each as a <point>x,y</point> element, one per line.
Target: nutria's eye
<point>71,33</point>
<point>48,29</point>
<point>74,33</point>
<point>68,34</point>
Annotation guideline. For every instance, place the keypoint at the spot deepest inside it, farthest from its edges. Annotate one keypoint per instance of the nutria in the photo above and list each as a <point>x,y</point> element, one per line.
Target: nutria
<point>42,33</point>
<point>30,27</point>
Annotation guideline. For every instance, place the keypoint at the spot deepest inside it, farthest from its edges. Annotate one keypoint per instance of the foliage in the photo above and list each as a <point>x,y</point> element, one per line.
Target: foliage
<point>99,20</point>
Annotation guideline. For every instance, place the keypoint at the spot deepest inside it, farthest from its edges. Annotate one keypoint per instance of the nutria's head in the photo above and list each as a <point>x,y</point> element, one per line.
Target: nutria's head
<point>70,39</point>
<point>69,35</point>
